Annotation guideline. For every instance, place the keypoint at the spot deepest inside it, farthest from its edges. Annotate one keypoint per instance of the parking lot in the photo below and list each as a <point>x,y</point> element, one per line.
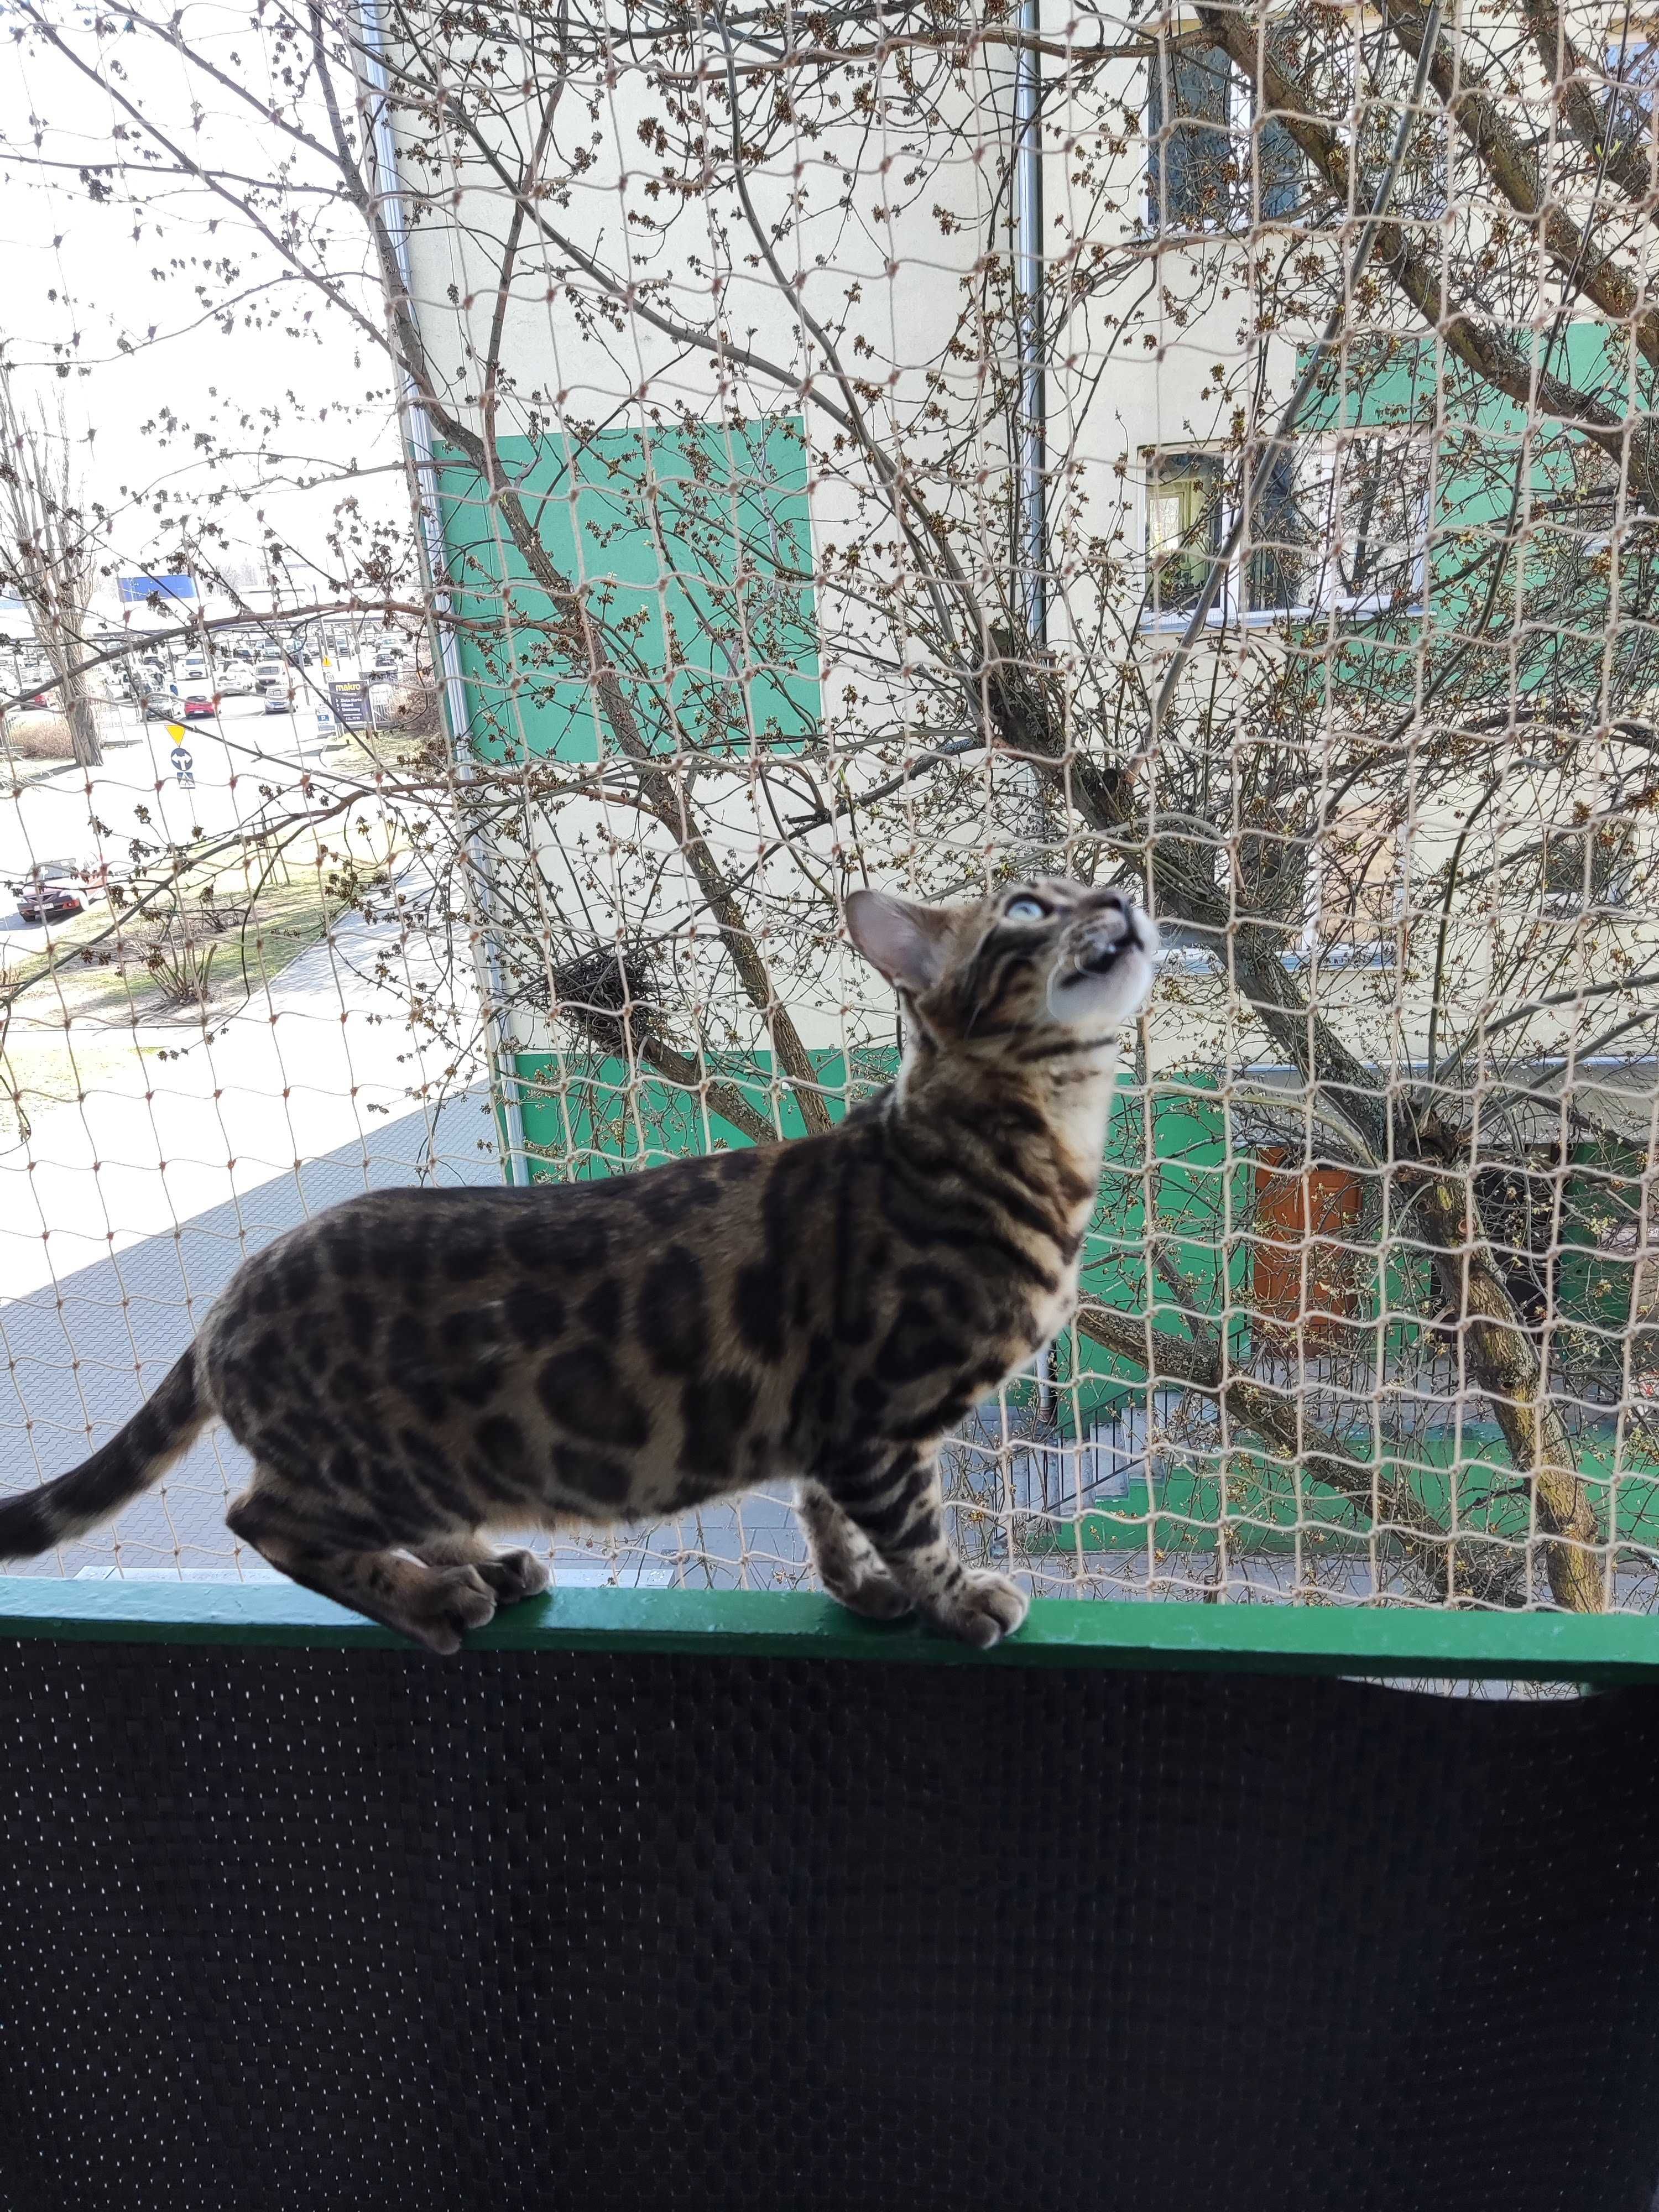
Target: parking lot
<point>233,755</point>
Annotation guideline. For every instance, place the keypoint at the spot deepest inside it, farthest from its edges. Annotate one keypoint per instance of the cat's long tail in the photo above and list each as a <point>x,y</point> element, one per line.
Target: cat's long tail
<point>136,1456</point>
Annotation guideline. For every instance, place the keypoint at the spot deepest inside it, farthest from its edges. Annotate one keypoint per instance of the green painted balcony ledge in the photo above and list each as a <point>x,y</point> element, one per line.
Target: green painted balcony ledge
<point>795,1624</point>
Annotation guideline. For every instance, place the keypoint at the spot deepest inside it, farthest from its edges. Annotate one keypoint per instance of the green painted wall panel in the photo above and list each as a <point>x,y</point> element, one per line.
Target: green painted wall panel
<point>693,546</point>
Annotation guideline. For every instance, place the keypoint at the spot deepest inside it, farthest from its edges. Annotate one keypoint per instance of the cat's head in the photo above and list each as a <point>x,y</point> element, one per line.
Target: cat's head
<point>1032,957</point>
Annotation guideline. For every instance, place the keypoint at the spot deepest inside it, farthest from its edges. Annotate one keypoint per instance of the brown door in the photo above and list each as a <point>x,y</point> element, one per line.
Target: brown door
<point>1307,1223</point>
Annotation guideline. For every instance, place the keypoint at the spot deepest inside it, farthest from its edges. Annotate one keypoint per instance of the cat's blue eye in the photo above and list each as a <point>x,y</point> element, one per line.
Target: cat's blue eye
<point>1025,910</point>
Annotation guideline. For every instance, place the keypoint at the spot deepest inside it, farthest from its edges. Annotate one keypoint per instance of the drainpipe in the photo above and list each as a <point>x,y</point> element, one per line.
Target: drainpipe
<point>1031,553</point>
<point>1030,541</point>
<point>417,429</point>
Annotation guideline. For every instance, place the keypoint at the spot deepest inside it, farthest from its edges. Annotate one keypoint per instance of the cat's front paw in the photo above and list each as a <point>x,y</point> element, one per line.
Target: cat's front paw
<point>452,1600</point>
<point>515,1575</point>
<point>984,1610</point>
<point>874,1594</point>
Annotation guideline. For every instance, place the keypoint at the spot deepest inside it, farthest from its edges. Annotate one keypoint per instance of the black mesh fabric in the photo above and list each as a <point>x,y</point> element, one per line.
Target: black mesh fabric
<point>308,1929</point>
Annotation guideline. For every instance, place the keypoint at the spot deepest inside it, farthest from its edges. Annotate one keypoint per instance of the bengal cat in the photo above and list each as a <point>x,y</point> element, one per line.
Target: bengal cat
<point>417,1367</point>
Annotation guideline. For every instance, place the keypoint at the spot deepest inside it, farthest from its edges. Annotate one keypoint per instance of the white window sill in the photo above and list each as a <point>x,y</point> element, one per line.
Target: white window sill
<point>1225,618</point>
<point>1265,617</point>
<point>1194,960</point>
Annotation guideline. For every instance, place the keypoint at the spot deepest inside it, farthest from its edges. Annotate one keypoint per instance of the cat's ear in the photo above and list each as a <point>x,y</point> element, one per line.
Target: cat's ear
<point>908,942</point>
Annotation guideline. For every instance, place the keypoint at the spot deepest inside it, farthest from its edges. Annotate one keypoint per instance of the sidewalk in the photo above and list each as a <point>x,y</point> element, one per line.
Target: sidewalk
<point>173,1122</point>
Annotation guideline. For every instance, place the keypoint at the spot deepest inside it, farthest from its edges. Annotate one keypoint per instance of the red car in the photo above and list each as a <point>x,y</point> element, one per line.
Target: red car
<point>55,890</point>
<point>168,707</point>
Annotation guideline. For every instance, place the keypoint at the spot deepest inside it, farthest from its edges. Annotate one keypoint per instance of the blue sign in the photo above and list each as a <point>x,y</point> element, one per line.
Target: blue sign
<point>138,591</point>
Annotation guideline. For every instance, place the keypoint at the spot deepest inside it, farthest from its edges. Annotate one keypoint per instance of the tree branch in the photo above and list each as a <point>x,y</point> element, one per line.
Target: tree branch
<point>1476,344</point>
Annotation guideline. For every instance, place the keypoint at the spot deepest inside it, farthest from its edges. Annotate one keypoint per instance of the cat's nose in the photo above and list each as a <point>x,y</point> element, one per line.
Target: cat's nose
<point>1110,923</point>
<point>1111,901</point>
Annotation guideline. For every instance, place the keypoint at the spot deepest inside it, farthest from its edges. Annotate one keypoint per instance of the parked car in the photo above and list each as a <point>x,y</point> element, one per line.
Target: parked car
<point>235,681</point>
<point>54,890</point>
<point>163,707</point>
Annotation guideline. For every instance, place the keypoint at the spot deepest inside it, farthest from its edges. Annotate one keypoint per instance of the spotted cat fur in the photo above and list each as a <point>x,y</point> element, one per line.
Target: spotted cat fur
<point>414,1367</point>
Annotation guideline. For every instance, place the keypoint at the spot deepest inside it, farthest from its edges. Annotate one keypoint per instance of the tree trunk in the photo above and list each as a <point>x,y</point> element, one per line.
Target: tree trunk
<point>1505,1364</point>
<point>83,725</point>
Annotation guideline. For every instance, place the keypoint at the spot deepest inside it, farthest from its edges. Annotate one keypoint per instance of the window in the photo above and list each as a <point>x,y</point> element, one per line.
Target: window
<point>1274,560</point>
<point>1341,525</point>
<point>1201,146</point>
<point>1183,527</point>
<point>1633,70</point>
<point>1366,503</point>
<point>1189,517</point>
<point>1586,869</point>
<point>1631,65</point>
<point>1188,144</point>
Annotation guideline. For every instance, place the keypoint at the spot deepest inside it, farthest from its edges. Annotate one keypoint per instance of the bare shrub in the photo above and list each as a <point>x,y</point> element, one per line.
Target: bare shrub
<point>40,737</point>
<point>412,712</point>
<point>180,944</point>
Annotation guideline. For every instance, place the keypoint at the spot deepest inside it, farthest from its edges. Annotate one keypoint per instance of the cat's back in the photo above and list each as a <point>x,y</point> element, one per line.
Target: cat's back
<point>430,1247</point>
<point>648,1313</point>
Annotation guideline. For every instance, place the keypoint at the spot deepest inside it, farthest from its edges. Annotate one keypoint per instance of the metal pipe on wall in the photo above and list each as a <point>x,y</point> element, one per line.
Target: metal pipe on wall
<point>434,565</point>
<point>1026,186</point>
<point>1030,438</point>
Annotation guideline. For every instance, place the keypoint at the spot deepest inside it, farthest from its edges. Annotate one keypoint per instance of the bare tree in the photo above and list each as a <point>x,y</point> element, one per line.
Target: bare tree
<point>48,552</point>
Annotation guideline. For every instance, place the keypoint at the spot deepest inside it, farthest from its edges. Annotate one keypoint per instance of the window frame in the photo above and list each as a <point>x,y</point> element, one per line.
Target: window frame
<point>1243,129</point>
<point>1312,494</point>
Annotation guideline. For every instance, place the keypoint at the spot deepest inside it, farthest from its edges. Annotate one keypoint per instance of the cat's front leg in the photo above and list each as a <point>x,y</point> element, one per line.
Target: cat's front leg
<point>848,1565</point>
<point>896,1502</point>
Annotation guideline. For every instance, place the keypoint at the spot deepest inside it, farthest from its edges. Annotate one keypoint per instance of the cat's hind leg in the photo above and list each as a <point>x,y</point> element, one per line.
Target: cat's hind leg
<point>511,1575</point>
<point>432,1605</point>
<point>848,1565</point>
<point>894,1500</point>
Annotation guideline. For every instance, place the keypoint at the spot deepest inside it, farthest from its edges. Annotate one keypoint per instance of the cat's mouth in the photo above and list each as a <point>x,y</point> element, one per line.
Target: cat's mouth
<point>1101,959</point>
<point>1098,954</point>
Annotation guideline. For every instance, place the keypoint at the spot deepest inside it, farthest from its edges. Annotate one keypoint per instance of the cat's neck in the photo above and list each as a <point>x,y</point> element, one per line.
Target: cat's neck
<point>1070,1089</point>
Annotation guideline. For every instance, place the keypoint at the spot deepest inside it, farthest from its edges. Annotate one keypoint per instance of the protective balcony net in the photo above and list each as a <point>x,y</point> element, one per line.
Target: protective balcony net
<point>1208,451</point>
